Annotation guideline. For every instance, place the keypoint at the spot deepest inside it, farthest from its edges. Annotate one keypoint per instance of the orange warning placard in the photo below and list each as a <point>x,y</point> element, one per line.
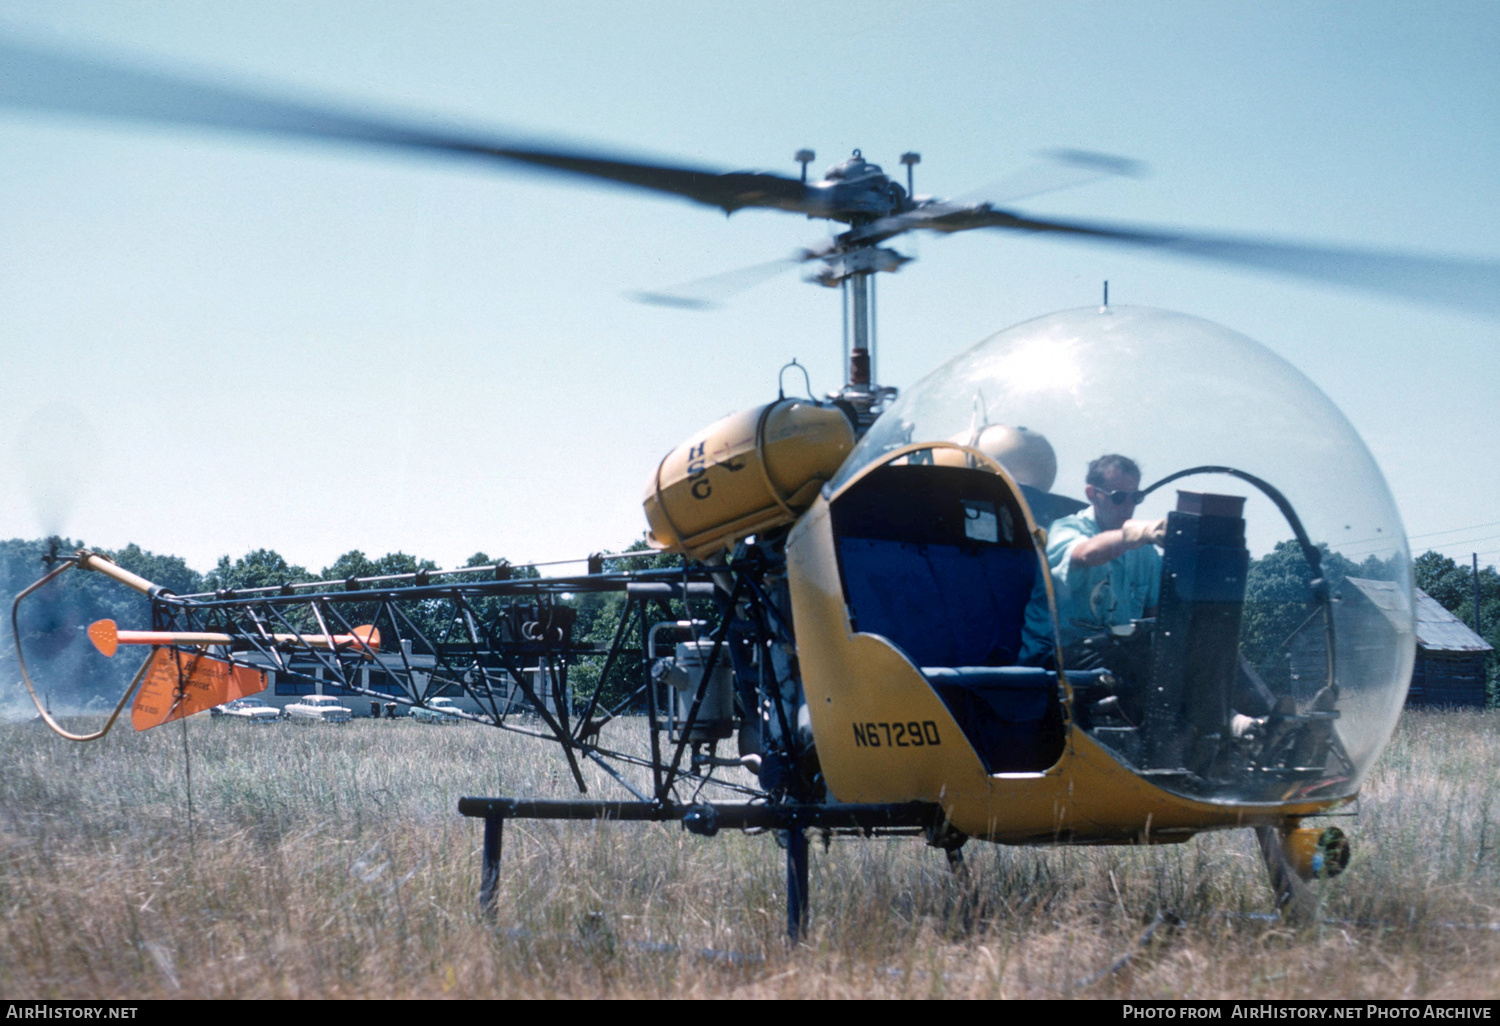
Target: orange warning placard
<point>178,684</point>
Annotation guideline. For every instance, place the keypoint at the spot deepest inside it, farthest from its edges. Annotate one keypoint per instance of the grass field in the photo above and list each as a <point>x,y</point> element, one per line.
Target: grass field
<point>330,861</point>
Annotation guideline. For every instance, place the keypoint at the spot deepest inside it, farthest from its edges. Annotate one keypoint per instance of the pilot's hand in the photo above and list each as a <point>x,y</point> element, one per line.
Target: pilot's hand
<point>1141,532</point>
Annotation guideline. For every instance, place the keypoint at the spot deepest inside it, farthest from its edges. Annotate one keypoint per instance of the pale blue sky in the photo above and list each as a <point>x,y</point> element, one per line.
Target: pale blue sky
<point>314,348</point>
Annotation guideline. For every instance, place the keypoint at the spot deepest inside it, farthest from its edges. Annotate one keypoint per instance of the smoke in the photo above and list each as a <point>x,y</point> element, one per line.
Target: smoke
<point>70,675</point>
<point>55,449</point>
<point>15,704</point>
<point>70,683</point>
<point>56,446</point>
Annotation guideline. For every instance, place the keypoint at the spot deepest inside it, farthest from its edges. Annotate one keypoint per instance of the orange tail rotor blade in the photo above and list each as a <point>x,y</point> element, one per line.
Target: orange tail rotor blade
<point>363,637</point>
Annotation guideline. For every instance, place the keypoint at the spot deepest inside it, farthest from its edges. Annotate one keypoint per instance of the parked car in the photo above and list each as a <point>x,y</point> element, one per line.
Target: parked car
<point>319,709</point>
<point>436,711</point>
<point>252,709</point>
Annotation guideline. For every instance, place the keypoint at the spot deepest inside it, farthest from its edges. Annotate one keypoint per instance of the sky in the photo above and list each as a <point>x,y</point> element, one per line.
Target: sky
<point>211,344</point>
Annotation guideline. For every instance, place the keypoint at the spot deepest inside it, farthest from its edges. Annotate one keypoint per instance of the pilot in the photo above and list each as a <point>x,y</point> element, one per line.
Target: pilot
<point>1105,568</point>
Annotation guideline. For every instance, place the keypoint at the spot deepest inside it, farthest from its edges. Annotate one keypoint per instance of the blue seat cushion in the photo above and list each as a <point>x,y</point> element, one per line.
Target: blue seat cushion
<point>1016,694</point>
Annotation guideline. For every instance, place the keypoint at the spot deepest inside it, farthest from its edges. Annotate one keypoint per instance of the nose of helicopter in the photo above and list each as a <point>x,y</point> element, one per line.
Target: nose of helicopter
<point>1307,577</point>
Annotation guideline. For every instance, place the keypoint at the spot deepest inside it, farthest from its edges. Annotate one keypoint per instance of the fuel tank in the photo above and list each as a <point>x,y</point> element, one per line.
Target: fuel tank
<point>750,472</point>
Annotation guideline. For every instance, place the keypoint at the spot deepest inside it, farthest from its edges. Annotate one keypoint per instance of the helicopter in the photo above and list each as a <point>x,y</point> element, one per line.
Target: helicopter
<point>857,569</point>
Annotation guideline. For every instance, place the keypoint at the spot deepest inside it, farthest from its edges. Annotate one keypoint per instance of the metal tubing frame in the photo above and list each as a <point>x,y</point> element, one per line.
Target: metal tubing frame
<point>797,897</point>
<point>486,651</point>
<point>477,647</point>
<point>489,873</point>
<point>686,730</point>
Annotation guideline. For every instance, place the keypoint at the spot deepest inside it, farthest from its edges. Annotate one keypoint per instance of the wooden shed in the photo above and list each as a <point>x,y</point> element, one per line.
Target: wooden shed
<point>1450,659</point>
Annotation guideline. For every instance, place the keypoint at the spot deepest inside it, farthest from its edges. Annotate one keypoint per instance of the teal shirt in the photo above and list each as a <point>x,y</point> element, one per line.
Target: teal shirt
<point>1090,598</point>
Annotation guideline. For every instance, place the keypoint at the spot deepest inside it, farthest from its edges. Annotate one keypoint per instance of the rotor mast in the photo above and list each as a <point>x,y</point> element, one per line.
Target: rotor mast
<point>862,390</point>
<point>858,294</point>
<point>853,270</point>
<point>851,263</point>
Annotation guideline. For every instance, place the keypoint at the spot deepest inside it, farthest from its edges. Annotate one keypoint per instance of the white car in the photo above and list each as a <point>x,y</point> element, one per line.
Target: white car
<point>436,711</point>
<point>252,709</point>
<point>319,709</point>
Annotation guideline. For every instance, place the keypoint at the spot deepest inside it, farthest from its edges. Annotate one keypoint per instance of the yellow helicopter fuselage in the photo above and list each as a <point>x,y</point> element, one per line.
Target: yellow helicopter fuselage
<point>884,734</point>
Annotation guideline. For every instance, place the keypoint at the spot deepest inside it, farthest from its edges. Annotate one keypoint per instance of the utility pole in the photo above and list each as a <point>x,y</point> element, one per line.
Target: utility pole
<point>1477,629</point>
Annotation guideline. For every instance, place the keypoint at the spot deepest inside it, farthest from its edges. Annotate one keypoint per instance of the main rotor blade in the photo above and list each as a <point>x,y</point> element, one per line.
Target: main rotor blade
<point>45,80</point>
<point>1053,171</point>
<point>709,293</point>
<point>1465,284</point>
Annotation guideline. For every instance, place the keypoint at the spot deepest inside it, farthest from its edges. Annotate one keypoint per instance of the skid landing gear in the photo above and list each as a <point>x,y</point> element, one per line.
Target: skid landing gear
<point>796,884</point>
<point>707,819</point>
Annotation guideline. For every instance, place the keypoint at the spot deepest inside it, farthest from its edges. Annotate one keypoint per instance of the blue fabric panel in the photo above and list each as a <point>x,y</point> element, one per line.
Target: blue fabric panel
<point>942,605</point>
<point>985,595</point>
<point>892,593</point>
<point>967,607</point>
<point>958,613</point>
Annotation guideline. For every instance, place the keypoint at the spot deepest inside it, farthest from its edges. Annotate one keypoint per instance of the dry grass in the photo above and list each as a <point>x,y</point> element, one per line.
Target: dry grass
<point>330,862</point>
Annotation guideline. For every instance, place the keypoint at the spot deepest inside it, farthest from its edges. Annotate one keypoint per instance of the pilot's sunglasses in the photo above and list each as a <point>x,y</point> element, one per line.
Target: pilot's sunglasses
<point>1119,497</point>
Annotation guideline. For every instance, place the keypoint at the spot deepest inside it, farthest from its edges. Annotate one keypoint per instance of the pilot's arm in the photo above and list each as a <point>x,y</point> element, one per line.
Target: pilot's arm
<point>1108,546</point>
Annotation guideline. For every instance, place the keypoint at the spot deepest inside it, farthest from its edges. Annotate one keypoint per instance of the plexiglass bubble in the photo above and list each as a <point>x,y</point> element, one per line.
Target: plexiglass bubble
<point>1275,659</point>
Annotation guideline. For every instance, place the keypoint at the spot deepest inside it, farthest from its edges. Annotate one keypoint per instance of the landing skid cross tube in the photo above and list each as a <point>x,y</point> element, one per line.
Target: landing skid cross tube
<point>707,819</point>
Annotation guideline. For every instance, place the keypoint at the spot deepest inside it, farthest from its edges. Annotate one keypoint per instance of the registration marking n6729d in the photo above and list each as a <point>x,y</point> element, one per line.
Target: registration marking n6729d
<point>911,734</point>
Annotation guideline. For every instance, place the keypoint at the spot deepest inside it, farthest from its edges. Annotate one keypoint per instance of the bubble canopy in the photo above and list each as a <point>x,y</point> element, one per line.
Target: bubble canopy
<point>1174,392</point>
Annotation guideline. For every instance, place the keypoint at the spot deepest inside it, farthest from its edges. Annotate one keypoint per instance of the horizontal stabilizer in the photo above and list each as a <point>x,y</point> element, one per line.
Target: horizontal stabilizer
<point>178,684</point>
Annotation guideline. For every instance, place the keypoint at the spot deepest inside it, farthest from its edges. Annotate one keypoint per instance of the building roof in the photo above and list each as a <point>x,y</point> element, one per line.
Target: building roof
<point>1439,629</point>
<point>1384,597</point>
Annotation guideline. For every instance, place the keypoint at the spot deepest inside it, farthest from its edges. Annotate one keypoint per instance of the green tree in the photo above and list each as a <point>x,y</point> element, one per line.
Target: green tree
<point>263,568</point>
<point>1453,587</point>
<point>1279,599</point>
<point>171,572</point>
<point>599,619</point>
